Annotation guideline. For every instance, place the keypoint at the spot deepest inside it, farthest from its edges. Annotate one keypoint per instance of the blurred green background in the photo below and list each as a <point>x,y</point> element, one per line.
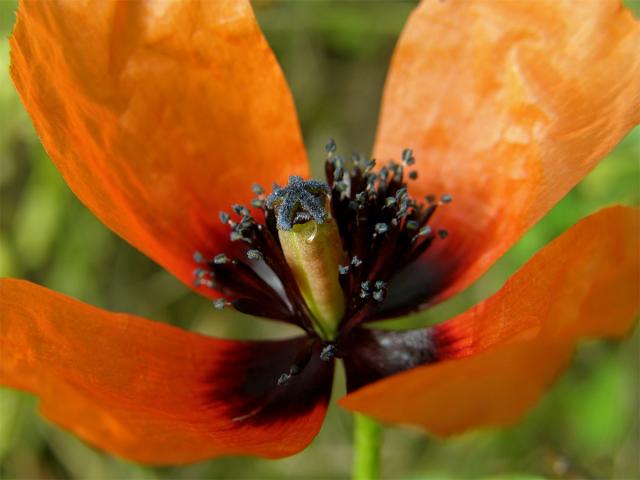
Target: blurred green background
<point>335,56</point>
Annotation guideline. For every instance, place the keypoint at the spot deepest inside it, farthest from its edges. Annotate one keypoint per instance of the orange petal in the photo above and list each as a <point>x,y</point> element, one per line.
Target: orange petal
<point>154,393</point>
<point>157,114</point>
<point>496,359</point>
<point>507,105</point>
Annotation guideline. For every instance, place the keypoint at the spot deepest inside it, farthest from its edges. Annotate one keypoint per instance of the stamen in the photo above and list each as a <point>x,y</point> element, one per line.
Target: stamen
<point>381,228</point>
<point>219,303</point>
<point>377,227</point>
<point>284,379</point>
<point>412,225</point>
<point>254,254</point>
<point>379,295</point>
<point>224,217</point>
<point>407,157</point>
<point>424,231</point>
<point>220,259</point>
<point>330,147</point>
<point>240,210</point>
<point>328,352</point>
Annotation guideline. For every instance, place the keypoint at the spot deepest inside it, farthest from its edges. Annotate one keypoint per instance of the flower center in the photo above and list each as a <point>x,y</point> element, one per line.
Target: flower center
<point>321,255</point>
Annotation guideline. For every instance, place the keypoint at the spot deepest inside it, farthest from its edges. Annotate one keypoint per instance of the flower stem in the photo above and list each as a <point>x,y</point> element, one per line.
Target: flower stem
<point>366,449</point>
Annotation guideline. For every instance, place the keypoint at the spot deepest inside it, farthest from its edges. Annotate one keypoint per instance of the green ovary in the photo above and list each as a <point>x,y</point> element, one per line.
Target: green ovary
<point>314,253</point>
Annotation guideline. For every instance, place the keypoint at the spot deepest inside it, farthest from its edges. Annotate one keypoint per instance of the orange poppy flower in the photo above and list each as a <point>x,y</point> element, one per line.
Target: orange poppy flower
<point>160,114</point>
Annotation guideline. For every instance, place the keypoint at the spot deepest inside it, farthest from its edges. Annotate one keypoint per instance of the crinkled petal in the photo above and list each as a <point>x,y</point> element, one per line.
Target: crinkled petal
<point>494,361</point>
<point>158,114</point>
<point>507,105</point>
<point>155,393</point>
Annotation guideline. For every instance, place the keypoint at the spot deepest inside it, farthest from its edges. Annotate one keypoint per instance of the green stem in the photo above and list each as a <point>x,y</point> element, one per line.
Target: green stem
<point>366,448</point>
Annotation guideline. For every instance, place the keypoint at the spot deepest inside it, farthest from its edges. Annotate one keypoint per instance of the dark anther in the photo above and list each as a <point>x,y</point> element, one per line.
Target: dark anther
<point>340,187</point>
<point>298,202</point>
<point>257,189</point>
<point>412,225</point>
<point>407,157</point>
<point>442,233</point>
<point>355,261</point>
<point>401,193</point>
<point>294,369</point>
<point>198,257</point>
<point>343,269</point>
<point>424,231</point>
<point>235,236</point>
<point>240,209</point>
<point>220,259</point>
<point>330,147</point>
<point>253,254</point>
<point>219,303</point>
<point>381,228</point>
<point>257,203</point>
<point>283,379</point>
<point>328,352</point>
<point>446,199</point>
<point>365,289</point>
<point>380,291</point>
<point>413,175</point>
<point>224,217</point>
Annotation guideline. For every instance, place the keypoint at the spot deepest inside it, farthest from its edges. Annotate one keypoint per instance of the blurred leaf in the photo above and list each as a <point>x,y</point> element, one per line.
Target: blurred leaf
<point>634,6</point>
<point>8,266</point>
<point>9,406</point>
<point>39,215</point>
<point>600,407</point>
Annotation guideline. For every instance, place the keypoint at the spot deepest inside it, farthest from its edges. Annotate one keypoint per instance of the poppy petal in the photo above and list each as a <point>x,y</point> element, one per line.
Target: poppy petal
<point>158,114</point>
<point>495,360</point>
<point>154,393</point>
<point>506,105</point>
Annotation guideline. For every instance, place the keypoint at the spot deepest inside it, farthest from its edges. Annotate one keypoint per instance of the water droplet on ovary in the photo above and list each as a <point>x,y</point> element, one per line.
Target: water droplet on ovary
<point>312,237</point>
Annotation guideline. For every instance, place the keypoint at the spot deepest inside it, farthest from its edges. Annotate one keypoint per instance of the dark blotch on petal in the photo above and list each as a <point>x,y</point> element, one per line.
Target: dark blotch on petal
<point>247,385</point>
<point>374,354</point>
<point>411,289</point>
